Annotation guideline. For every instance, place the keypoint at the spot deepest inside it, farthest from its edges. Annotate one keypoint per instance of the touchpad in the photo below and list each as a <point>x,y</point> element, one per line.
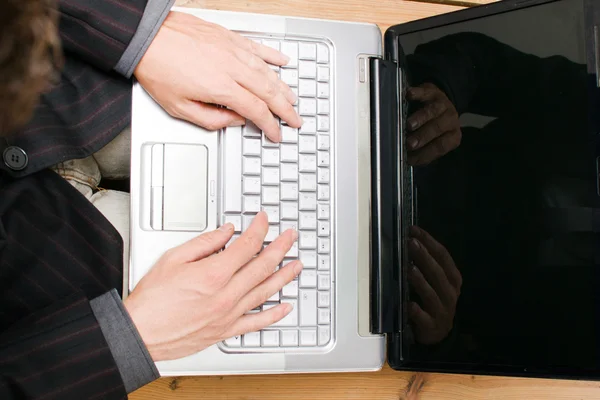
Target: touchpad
<point>185,187</point>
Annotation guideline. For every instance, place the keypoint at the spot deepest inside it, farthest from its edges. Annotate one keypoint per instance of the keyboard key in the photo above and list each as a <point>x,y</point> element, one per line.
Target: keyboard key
<point>308,305</point>
<point>308,220</point>
<point>247,220</point>
<point>289,172</point>
<point>270,195</point>
<point>236,220</point>
<point>233,170</point>
<point>272,233</point>
<point>323,90</point>
<point>322,106</point>
<point>322,123</point>
<point>292,318</point>
<point>323,229</point>
<point>252,204</point>
<point>308,337</point>
<point>289,191</point>
<point>290,290</point>
<point>293,251</point>
<point>251,185</point>
<point>251,130</point>
<point>324,335</point>
<point>307,69</point>
<point>266,142</point>
<point>323,211</point>
<point>308,201</point>
<point>307,88</point>
<point>289,338</point>
<point>307,240</point>
<point>270,157</point>
<point>307,144</point>
<point>324,282</point>
<point>251,166</point>
<point>275,297</point>
<point>322,73</point>
<point>322,53</point>
<point>323,142</point>
<point>323,159</point>
<point>251,147</point>
<point>274,44</point>
<point>290,49</point>
<point>323,316</point>
<point>289,76</point>
<point>323,246</point>
<point>323,192</point>
<point>323,262</point>
<point>308,279</point>
<point>323,299</point>
<point>308,182</point>
<point>270,338</point>
<point>270,176</point>
<point>289,153</point>
<point>235,341</point>
<point>289,134</point>
<point>289,211</point>
<point>307,163</point>
<point>307,51</point>
<point>307,106</point>
<point>308,258</point>
<point>309,126</point>
<point>251,339</point>
<point>272,213</point>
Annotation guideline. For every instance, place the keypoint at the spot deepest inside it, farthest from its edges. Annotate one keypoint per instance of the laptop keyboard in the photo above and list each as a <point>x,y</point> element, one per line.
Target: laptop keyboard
<point>292,182</point>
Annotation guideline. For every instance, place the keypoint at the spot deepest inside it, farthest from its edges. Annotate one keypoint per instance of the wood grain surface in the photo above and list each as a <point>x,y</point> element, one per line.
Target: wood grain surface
<point>385,384</point>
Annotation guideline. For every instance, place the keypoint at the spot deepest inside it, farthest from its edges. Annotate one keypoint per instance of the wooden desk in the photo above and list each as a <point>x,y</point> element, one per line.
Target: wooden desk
<point>386,384</point>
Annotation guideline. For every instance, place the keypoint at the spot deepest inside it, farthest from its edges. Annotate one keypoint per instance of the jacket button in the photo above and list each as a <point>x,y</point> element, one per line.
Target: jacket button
<point>15,158</point>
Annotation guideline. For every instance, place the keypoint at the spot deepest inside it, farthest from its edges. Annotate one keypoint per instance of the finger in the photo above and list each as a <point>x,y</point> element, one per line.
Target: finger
<point>440,254</point>
<point>257,321</point>
<point>266,53</point>
<point>287,91</point>
<point>432,303</point>
<point>201,246</point>
<point>422,321</point>
<point>435,149</point>
<point>429,112</point>
<point>268,90</point>
<point>244,248</point>
<point>423,93</point>
<point>253,74</point>
<point>432,271</point>
<point>268,288</point>
<point>262,267</point>
<point>253,108</point>
<point>208,116</point>
<point>436,127</point>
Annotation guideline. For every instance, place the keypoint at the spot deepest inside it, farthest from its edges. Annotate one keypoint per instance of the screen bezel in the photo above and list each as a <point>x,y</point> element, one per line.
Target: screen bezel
<point>397,349</point>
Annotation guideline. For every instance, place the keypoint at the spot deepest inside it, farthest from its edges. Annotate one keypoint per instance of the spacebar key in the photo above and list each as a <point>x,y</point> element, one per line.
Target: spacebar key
<point>232,179</point>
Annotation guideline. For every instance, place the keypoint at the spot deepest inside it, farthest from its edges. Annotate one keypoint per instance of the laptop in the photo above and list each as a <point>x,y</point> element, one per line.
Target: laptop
<point>515,205</point>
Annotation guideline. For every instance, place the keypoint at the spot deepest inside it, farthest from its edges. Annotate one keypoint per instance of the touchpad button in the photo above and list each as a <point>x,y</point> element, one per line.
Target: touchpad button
<point>185,187</point>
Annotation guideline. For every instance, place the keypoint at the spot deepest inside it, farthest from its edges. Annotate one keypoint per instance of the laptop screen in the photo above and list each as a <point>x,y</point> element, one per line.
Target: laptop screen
<point>506,185</point>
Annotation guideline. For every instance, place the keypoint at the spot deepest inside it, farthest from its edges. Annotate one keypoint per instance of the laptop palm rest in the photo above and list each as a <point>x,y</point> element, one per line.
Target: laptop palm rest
<point>184,188</point>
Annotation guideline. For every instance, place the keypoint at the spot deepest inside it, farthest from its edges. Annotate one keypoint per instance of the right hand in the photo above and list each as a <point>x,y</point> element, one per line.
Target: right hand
<point>193,65</point>
<point>195,297</point>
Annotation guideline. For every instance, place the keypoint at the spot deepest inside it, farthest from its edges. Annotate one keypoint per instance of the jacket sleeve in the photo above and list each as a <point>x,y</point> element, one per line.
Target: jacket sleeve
<point>58,353</point>
<point>99,31</point>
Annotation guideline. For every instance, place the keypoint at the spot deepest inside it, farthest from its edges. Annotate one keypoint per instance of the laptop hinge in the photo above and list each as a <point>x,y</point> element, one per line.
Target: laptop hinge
<point>386,311</point>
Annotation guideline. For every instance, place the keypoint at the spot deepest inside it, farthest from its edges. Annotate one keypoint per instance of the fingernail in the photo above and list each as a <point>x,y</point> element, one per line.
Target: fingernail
<point>298,267</point>
<point>412,124</point>
<point>412,143</point>
<point>415,243</point>
<point>286,58</point>
<point>226,227</point>
<point>294,235</point>
<point>288,308</point>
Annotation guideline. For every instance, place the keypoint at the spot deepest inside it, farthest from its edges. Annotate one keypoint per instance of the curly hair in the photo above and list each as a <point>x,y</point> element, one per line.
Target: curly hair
<point>30,57</point>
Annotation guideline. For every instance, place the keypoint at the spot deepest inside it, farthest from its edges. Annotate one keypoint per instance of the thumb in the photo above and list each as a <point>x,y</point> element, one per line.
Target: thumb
<point>209,116</point>
<point>202,246</point>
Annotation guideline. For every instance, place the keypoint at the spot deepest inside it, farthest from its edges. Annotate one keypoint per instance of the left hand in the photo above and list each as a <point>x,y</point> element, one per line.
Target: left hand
<point>434,128</point>
<point>437,281</point>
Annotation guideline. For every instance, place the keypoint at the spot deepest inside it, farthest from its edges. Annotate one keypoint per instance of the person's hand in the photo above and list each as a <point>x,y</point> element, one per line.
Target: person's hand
<point>437,282</point>
<point>194,297</point>
<point>193,65</point>
<point>434,128</point>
